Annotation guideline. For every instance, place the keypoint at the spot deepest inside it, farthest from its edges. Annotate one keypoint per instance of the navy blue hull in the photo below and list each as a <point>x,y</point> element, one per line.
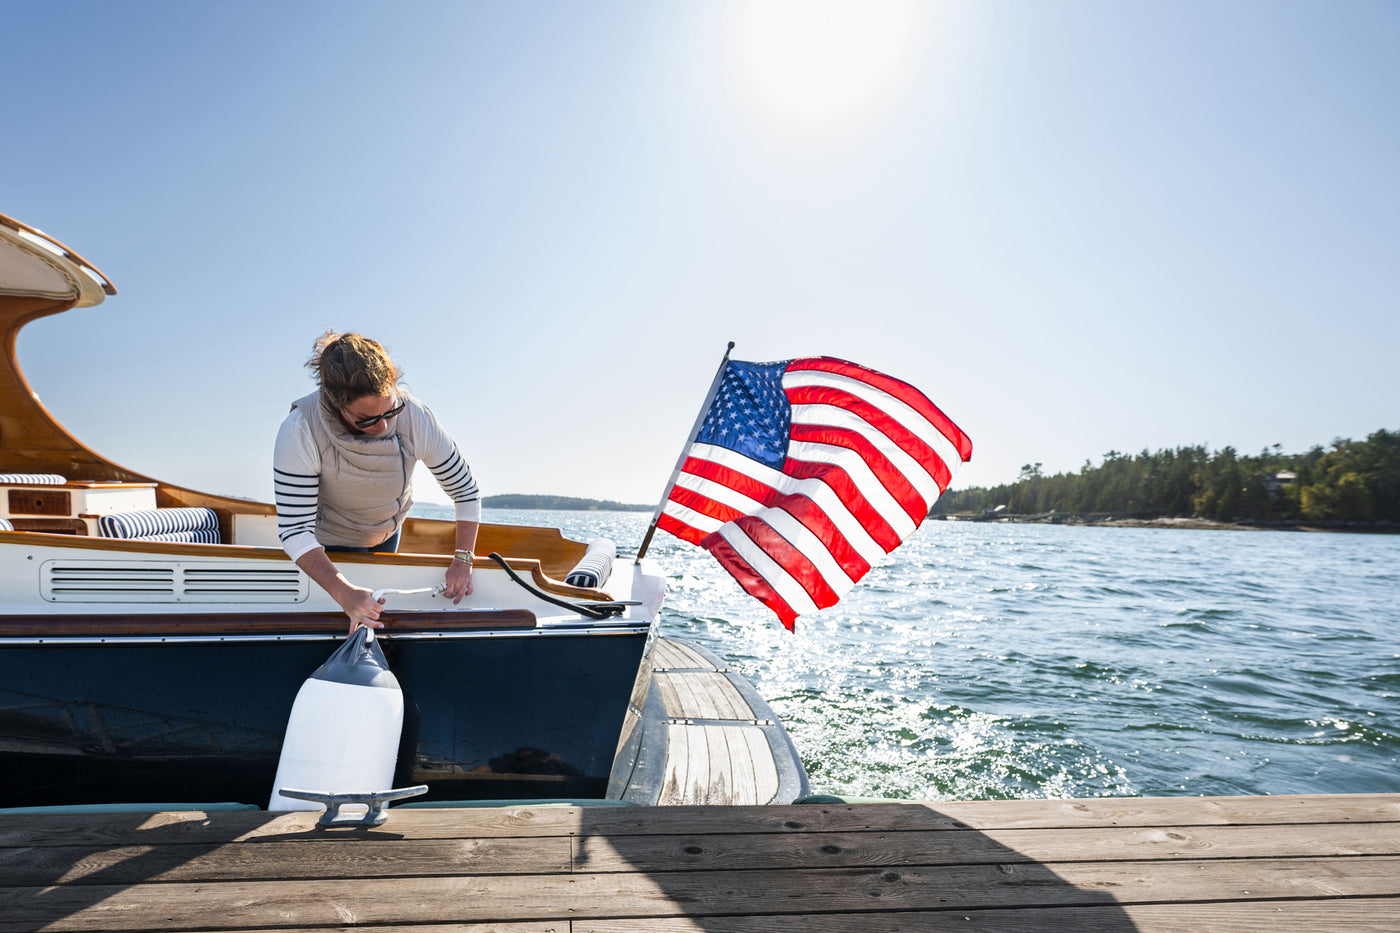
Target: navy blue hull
<point>485,717</point>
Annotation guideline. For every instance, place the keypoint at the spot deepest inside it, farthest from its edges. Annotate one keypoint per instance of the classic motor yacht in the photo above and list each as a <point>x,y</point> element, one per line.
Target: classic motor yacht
<point>153,638</point>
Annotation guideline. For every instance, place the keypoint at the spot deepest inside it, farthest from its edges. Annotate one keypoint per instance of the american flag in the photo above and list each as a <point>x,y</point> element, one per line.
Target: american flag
<point>804,473</point>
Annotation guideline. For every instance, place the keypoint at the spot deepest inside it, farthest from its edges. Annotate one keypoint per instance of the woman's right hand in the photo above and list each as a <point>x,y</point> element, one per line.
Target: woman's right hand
<point>362,608</point>
<point>357,602</point>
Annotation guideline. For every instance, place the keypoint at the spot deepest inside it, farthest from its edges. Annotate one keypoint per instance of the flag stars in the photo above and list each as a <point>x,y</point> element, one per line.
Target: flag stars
<point>750,413</point>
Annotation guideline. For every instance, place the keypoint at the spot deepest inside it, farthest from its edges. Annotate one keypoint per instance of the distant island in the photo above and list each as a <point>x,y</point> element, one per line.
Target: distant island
<point>561,503</point>
<point>1354,485</point>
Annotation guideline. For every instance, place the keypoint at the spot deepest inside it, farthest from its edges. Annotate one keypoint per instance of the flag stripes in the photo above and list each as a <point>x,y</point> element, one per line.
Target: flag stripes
<point>862,459</point>
<point>893,388</point>
<point>715,473</point>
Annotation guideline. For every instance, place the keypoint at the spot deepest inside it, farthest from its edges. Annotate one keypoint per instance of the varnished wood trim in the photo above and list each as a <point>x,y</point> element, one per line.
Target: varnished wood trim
<point>86,484</point>
<point>36,501</point>
<point>557,554</point>
<point>519,564</point>
<point>67,527</point>
<point>154,548</point>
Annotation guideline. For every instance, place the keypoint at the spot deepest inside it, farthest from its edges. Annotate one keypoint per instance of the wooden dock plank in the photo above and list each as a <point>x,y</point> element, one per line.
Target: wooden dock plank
<point>1360,915</point>
<point>196,826</point>
<point>921,848</point>
<point>523,926</point>
<point>1227,864</point>
<point>52,865</point>
<point>1151,811</point>
<point>686,893</point>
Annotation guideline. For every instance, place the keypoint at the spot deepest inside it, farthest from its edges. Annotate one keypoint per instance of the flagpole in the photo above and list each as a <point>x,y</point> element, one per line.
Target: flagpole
<point>685,451</point>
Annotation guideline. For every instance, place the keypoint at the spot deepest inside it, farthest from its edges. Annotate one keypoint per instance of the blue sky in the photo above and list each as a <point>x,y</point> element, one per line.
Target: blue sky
<point>1077,226</point>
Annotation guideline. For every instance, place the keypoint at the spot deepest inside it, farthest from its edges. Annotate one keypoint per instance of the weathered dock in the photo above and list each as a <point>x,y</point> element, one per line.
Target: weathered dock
<point>1316,863</point>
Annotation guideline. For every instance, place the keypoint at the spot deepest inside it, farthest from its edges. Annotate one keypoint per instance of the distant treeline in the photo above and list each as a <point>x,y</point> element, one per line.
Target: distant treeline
<point>1353,481</point>
<point>570,503</point>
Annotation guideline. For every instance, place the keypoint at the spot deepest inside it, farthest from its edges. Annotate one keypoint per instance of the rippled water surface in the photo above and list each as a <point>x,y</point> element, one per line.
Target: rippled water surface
<point>996,661</point>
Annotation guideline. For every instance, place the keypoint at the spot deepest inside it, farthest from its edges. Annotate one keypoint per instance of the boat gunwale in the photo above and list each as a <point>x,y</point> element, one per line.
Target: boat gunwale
<point>247,552</point>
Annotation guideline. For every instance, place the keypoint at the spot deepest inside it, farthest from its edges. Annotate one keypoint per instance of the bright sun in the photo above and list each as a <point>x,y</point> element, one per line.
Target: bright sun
<point>822,70</point>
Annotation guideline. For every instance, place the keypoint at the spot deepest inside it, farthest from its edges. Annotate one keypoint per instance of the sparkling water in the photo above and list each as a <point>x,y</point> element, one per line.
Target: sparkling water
<point>999,661</point>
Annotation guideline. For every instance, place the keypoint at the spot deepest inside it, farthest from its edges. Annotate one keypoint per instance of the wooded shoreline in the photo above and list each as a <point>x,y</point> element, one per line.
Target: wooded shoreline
<point>1191,522</point>
<point>1354,486</point>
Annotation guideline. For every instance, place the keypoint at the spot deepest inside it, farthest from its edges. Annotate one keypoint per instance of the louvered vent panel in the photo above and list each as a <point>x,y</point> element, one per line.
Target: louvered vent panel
<point>86,583</point>
<point>242,584</point>
<point>173,582</point>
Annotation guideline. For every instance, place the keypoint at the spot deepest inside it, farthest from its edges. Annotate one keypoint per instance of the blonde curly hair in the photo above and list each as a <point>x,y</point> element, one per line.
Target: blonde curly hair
<point>350,366</point>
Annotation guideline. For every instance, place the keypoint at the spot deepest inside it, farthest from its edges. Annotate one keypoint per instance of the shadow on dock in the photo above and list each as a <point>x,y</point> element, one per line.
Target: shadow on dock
<point>869,867</point>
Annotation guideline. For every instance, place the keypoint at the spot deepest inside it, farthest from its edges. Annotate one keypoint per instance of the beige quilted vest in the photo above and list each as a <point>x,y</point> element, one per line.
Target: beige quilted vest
<point>366,482</point>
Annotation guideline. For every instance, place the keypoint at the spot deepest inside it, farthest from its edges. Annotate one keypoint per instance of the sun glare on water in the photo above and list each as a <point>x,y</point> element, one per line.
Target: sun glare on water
<point>823,71</point>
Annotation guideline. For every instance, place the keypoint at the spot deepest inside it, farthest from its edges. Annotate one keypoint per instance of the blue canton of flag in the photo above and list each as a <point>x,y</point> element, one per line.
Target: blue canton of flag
<point>751,414</point>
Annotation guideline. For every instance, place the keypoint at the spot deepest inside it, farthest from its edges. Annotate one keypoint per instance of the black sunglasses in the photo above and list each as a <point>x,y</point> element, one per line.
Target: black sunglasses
<point>371,422</point>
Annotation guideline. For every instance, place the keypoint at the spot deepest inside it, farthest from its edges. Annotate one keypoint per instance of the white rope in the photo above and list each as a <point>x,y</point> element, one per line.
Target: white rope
<point>438,590</point>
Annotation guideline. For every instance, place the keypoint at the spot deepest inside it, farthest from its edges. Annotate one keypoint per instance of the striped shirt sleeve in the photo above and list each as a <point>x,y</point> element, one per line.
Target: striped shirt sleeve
<point>296,485</point>
<point>445,461</point>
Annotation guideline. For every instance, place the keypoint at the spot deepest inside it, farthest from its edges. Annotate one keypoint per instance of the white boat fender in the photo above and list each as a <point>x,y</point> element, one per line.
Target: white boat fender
<point>343,733</point>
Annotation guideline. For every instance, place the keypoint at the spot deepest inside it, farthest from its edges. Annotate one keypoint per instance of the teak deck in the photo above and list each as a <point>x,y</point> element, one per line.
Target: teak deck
<point>718,748</point>
<point>1107,864</point>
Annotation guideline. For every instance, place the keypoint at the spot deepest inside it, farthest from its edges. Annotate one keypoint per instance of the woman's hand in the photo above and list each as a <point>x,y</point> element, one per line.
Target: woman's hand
<point>362,608</point>
<point>359,603</point>
<point>459,580</point>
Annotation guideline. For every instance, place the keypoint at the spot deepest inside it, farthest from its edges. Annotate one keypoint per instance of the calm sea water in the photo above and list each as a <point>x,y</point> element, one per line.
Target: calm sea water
<point>1003,661</point>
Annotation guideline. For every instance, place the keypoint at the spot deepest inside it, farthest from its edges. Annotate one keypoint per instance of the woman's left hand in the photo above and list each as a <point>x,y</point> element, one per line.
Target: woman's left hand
<point>459,580</point>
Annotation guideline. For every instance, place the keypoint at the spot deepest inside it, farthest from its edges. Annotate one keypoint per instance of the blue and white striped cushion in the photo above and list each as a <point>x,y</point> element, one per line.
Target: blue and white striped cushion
<point>32,479</point>
<point>595,566</point>
<point>6,525</point>
<point>198,536</point>
<point>152,524</point>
